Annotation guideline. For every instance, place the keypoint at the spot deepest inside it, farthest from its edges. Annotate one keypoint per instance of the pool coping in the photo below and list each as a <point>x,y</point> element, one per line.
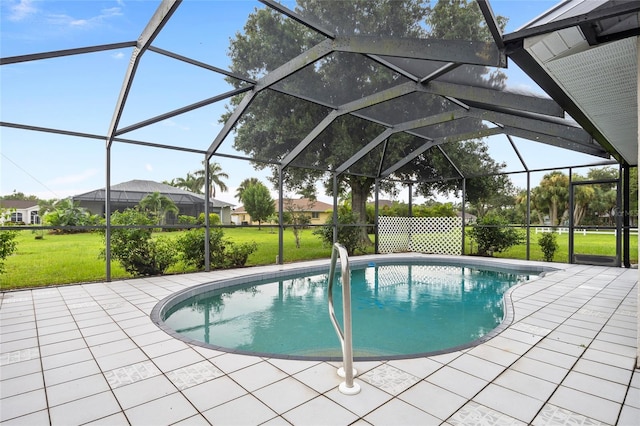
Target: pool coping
<point>168,302</point>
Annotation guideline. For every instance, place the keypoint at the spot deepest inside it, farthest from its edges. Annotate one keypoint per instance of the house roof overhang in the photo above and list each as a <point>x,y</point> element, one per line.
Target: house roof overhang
<point>583,53</point>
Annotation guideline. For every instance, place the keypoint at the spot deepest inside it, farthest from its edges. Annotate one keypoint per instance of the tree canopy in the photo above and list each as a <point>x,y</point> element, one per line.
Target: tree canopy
<point>258,202</point>
<point>159,206</point>
<point>275,122</point>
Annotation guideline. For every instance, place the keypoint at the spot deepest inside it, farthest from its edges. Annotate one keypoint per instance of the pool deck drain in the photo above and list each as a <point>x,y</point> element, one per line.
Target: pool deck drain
<point>90,354</point>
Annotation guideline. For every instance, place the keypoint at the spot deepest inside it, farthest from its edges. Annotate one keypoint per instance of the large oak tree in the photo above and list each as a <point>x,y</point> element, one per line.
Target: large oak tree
<point>275,123</point>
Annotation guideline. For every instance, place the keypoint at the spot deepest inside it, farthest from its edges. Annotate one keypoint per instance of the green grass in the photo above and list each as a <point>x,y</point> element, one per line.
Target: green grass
<point>73,258</point>
<point>602,244</point>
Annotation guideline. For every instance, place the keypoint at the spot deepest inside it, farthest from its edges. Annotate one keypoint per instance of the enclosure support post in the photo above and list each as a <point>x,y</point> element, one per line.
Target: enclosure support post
<point>528,215</point>
<point>107,214</point>
<point>638,140</point>
<point>280,260</point>
<point>618,216</point>
<point>207,224</point>
<point>335,208</point>
<point>464,196</point>
<point>410,216</point>
<point>626,207</point>
<point>375,216</point>
<point>571,222</point>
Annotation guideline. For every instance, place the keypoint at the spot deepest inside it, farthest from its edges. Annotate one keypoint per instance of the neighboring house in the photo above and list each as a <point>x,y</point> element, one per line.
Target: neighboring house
<point>20,211</point>
<point>317,211</point>
<point>382,203</point>
<point>468,218</point>
<point>129,194</point>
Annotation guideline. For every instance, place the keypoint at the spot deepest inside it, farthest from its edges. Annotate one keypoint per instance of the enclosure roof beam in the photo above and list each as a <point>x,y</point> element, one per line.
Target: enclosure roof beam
<point>364,151</point>
<point>517,151</point>
<point>490,97</point>
<point>457,51</point>
<point>378,97</point>
<point>409,158</point>
<point>326,122</point>
<point>393,67</point>
<point>555,140</point>
<point>443,117</point>
<point>183,110</point>
<point>191,61</point>
<point>458,137</point>
<point>367,101</point>
<point>296,17</point>
<point>413,124</point>
<point>151,31</point>
<point>316,52</point>
<point>98,137</point>
<point>573,133</point>
<point>492,22</point>
<point>307,57</point>
<point>67,52</point>
<point>440,72</point>
<point>303,97</point>
<point>438,141</point>
<point>439,147</point>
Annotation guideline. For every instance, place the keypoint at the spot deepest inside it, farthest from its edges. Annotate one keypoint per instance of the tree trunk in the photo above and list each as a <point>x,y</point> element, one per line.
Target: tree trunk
<point>578,214</point>
<point>359,192</point>
<point>553,213</point>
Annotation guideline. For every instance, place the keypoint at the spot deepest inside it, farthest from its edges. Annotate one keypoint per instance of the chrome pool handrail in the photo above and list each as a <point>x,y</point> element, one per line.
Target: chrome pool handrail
<point>347,371</point>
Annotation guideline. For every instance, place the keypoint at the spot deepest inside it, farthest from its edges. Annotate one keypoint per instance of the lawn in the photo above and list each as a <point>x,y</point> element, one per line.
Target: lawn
<point>591,243</point>
<point>62,259</point>
<point>73,258</point>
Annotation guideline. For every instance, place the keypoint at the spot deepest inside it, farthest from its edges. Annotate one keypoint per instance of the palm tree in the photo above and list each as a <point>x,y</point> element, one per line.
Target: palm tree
<point>215,178</point>
<point>159,205</point>
<point>244,185</point>
<point>555,189</point>
<point>190,183</point>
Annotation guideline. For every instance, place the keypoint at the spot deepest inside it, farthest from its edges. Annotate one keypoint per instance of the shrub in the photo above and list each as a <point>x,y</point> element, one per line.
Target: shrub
<point>8,246</point>
<point>187,220</point>
<point>191,247</point>
<point>135,249</point>
<point>66,213</point>
<point>238,254</point>
<point>349,236</point>
<point>222,253</point>
<point>548,244</point>
<point>492,235</point>
<point>214,219</point>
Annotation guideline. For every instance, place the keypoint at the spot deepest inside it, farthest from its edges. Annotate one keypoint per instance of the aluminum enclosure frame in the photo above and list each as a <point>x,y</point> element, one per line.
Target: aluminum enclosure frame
<point>537,119</point>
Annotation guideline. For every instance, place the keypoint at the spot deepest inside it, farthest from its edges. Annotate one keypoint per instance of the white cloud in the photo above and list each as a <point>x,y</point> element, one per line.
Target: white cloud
<point>22,10</point>
<point>118,55</point>
<point>75,178</point>
<point>148,167</point>
<point>73,22</point>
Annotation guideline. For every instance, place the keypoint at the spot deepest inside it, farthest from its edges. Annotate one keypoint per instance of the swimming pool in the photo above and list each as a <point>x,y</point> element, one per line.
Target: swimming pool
<point>401,308</point>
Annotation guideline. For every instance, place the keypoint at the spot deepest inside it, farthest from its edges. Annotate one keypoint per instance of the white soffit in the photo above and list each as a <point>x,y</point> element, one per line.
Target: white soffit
<point>602,80</point>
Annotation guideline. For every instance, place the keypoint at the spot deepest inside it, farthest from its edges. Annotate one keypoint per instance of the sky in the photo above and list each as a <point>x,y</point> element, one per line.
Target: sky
<point>79,93</point>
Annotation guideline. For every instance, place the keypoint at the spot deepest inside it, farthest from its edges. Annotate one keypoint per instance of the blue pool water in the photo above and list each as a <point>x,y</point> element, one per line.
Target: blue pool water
<point>398,309</point>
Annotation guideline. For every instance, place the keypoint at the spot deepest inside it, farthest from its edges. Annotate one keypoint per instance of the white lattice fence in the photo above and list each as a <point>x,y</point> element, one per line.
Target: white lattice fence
<point>393,234</point>
<point>437,235</point>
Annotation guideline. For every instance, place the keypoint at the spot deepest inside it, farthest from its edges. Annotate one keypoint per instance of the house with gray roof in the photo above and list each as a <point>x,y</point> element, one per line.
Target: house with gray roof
<point>129,194</point>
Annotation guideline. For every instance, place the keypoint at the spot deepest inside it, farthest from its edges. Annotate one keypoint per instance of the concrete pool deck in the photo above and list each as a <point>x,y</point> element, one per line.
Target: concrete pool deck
<point>90,354</point>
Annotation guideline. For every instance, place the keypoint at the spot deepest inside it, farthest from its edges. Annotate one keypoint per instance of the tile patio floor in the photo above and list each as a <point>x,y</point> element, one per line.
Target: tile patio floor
<point>89,354</point>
